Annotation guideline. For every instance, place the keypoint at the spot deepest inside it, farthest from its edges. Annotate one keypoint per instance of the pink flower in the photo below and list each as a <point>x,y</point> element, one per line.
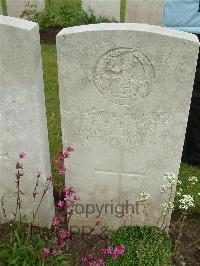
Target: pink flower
<point>56,252</point>
<point>49,178</point>
<point>121,250</point>
<point>100,262</point>
<point>56,162</point>
<point>109,251</point>
<point>118,251</point>
<point>61,203</point>
<point>22,155</point>
<point>115,252</point>
<point>69,206</point>
<point>76,197</point>
<point>98,222</point>
<point>19,166</point>
<point>62,243</point>
<point>54,243</point>
<point>59,251</point>
<point>55,221</point>
<point>87,259</point>
<point>70,149</point>
<point>60,184</point>
<point>55,184</point>
<point>46,253</point>
<point>61,218</point>
<point>69,191</point>
<point>18,175</point>
<point>61,169</point>
<point>65,154</point>
<point>66,198</point>
<point>64,234</point>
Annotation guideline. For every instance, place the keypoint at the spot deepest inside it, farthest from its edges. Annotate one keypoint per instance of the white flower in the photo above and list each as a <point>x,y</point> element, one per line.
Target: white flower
<point>186,202</point>
<point>167,207</point>
<point>144,196</point>
<point>179,191</point>
<point>193,179</point>
<point>179,182</point>
<point>198,193</point>
<point>170,177</point>
<point>166,187</point>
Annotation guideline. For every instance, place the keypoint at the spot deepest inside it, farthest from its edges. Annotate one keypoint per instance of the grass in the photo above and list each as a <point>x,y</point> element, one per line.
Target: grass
<point>143,246</point>
<point>4,7</point>
<point>58,2</point>
<point>25,249</point>
<point>52,99</point>
<point>123,11</point>
<point>188,189</point>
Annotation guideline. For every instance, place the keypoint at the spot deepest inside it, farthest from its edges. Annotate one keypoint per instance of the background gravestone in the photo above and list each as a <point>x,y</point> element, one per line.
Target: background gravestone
<point>15,8</point>
<point>125,91</point>
<point>1,11</point>
<point>104,8</point>
<point>144,11</point>
<point>23,116</point>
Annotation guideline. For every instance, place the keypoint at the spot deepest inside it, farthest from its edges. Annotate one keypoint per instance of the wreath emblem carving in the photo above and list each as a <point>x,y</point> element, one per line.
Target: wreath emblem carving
<point>123,76</point>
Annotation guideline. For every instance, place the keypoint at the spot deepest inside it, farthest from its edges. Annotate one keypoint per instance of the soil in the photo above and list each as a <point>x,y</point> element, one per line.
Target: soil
<point>48,36</point>
<point>188,252</point>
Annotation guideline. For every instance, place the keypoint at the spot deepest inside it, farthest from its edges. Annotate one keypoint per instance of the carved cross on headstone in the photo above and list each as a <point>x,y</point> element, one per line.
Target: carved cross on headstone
<point>121,174</point>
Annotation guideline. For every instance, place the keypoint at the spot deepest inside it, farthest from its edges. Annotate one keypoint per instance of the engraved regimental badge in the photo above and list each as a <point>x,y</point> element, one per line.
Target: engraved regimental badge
<point>123,76</point>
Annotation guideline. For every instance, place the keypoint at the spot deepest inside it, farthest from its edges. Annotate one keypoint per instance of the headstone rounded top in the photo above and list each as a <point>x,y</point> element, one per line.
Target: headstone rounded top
<point>17,22</point>
<point>130,26</point>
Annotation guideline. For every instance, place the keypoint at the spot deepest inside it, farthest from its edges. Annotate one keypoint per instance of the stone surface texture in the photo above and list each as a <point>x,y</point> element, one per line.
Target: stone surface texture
<point>15,8</point>
<point>106,8</point>
<point>125,91</point>
<point>23,123</point>
<point>144,11</point>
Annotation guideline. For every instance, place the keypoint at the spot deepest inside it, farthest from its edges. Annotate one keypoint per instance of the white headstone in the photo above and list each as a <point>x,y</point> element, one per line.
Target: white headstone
<point>125,91</point>
<point>23,124</point>
<point>144,11</point>
<point>15,8</point>
<point>106,8</point>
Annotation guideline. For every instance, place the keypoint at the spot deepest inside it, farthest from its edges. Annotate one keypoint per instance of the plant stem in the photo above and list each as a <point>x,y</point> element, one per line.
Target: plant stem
<point>183,216</point>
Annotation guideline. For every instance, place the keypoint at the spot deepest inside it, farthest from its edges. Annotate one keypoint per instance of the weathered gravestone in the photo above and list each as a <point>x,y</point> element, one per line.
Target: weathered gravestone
<point>23,118</point>
<point>15,8</point>
<point>106,8</point>
<point>125,91</point>
<point>144,11</point>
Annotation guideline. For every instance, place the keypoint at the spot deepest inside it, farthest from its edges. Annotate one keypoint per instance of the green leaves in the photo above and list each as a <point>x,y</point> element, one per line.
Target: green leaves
<point>145,246</point>
<point>20,250</point>
<point>66,14</point>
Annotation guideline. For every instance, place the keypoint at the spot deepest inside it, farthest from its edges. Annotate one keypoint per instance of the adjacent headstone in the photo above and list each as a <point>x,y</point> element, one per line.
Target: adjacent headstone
<point>125,91</point>
<point>105,8</point>
<point>15,8</point>
<point>23,124</point>
<point>144,11</point>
